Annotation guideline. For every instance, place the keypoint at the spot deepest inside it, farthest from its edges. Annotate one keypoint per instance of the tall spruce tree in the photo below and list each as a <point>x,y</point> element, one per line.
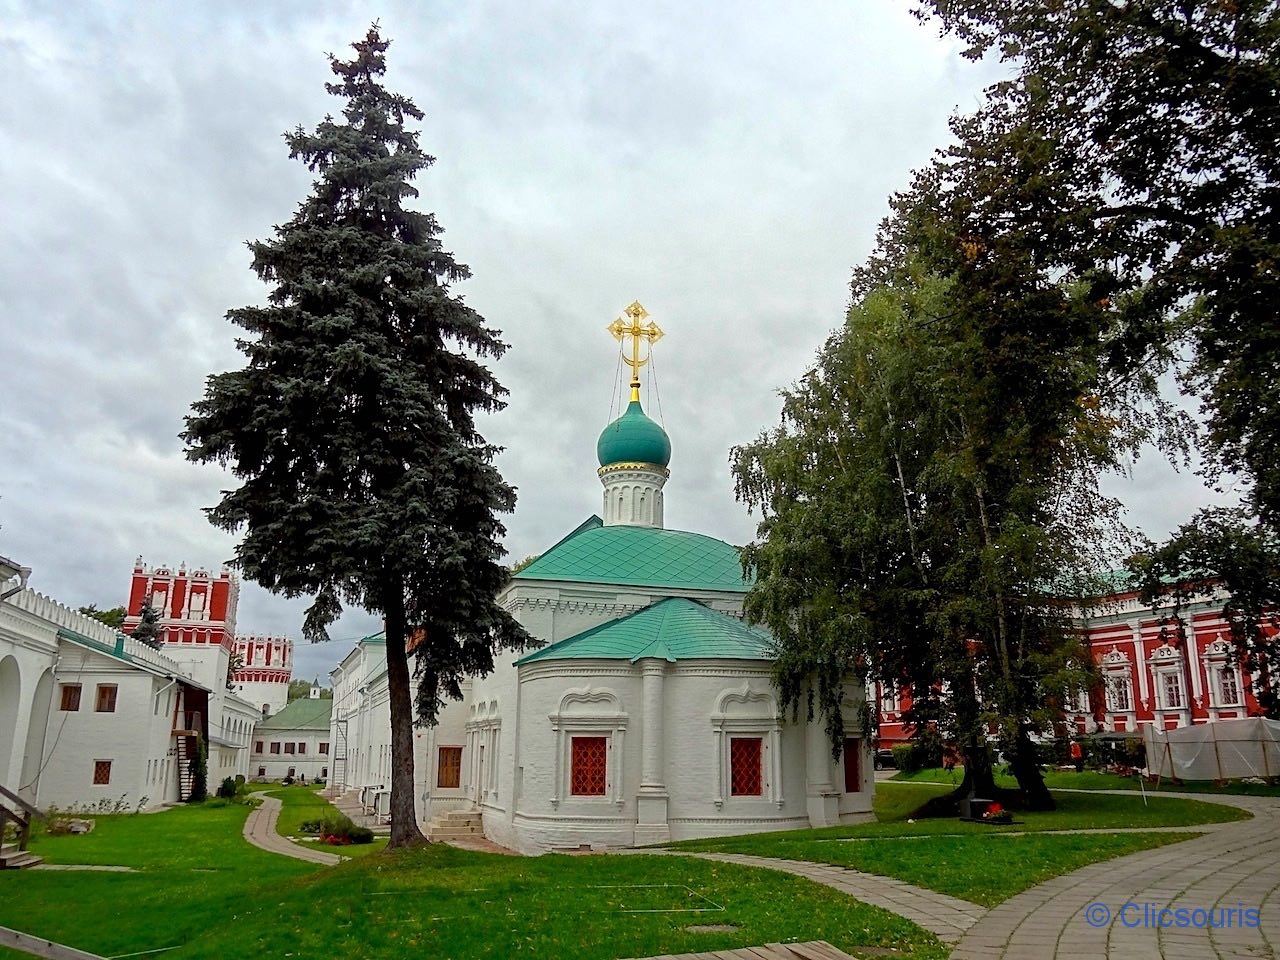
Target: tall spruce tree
<point>148,629</point>
<point>352,426</point>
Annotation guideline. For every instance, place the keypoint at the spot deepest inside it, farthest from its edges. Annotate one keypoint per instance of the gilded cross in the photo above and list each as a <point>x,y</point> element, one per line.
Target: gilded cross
<point>637,330</point>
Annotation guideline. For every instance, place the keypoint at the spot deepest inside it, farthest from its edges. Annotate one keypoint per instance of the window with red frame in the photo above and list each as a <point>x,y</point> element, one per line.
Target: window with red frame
<point>588,770</point>
<point>101,772</point>
<point>746,775</point>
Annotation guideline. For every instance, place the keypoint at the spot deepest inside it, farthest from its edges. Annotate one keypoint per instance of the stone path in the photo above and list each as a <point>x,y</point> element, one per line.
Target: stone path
<point>1112,909</point>
<point>945,917</point>
<point>260,830</point>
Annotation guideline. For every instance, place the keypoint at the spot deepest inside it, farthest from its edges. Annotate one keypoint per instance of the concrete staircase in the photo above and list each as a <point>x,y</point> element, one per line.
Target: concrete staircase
<point>456,825</point>
<point>11,858</point>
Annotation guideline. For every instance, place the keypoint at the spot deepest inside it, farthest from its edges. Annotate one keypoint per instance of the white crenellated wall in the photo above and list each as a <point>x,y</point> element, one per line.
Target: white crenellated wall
<point>52,752</point>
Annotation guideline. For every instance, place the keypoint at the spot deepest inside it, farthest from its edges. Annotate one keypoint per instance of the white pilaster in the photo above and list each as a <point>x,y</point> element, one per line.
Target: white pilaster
<point>651,801</point>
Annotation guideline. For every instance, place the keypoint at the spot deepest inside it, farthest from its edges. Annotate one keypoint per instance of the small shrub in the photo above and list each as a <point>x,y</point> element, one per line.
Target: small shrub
<point>228,789</point>
<point>913,757</point>
<point>904,758</point>
<point>338,829</point>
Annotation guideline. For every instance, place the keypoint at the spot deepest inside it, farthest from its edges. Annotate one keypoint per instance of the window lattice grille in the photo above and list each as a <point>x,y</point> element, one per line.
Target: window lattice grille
<point>746,776</point>
<point>588,773</point>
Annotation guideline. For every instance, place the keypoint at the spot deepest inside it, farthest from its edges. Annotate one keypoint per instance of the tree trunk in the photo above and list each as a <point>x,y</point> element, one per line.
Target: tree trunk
<point>1025,767</point>
<point>404,816</point>
<point>979,779</point>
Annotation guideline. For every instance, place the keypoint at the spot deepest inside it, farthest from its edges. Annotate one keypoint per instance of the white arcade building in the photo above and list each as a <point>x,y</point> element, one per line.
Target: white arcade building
<point>649,715</point>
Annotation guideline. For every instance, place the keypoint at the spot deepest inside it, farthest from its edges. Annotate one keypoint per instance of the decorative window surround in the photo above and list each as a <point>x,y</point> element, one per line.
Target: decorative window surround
<point>484,731</point>
<point>1117,680</point>
<point>586,711</point>
<point>1225,688</point>
<point>742,711</point>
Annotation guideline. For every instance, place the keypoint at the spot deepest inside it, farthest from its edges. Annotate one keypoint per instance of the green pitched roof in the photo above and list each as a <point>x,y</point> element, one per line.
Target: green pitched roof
<point>303,714</point>
<point>672,629</point>
<point>640,557</point>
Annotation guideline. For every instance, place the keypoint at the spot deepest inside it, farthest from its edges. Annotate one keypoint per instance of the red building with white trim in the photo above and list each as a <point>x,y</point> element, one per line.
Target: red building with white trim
<point>198,613</point>
<point>1148,674</point>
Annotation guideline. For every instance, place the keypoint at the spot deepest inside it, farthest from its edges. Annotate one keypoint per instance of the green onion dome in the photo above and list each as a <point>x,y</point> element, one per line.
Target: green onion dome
<point>633,438</point>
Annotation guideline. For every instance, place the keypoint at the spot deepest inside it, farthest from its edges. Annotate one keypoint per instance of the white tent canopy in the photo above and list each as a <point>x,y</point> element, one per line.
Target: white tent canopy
<point>1221,750</point>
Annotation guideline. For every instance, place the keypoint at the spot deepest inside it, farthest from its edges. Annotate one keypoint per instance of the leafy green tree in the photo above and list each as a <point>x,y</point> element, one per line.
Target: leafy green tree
<point>298,689</point>
<point>148,629</point>
<point>516,568</point>
<point>352,429</point>
<point>932,491</point>
<point>1174,108</point>
<point>113,618</point>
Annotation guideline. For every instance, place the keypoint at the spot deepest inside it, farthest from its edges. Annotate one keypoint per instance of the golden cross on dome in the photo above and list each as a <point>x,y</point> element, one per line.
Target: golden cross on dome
<point>633,327</point>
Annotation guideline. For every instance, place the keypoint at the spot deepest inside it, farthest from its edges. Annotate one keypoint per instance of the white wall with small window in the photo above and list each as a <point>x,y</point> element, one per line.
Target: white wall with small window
<point>290,753</point>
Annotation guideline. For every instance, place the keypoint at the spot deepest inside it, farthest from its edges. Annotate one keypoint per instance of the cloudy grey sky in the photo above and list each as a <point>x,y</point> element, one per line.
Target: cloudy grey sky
<point>724,163</point>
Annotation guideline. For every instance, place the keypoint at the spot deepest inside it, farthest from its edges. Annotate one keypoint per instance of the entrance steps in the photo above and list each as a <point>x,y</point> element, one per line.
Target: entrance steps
<point>456,825</point>
<point>11,858</point>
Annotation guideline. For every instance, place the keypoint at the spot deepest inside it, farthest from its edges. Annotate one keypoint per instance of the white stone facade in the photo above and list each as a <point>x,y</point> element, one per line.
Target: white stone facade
<point>668,729</point>
<point>87,716</point>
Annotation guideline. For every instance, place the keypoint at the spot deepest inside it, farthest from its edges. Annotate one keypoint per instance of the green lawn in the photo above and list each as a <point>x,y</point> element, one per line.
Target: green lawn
<point>1093,780</point>
<point>201,888</point>
<point>193,871</point>
<point>301,804</point>
<point>975,861</point>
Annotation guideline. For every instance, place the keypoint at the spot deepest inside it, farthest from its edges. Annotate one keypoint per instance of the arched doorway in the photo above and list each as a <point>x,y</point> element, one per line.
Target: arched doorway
<point>10,699</point>
<point>33,755</point>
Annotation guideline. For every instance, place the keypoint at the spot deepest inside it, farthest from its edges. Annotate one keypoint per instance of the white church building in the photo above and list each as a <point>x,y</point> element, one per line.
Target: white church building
<point>648,715</point>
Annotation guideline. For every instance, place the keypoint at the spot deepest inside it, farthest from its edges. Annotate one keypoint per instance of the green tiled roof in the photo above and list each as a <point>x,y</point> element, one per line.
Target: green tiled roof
<point>302,714</point>
<point>672,629</point>
<point>641,557</point>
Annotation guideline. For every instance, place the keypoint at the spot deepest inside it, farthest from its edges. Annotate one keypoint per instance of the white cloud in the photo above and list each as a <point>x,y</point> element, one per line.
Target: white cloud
<point>725,164</point>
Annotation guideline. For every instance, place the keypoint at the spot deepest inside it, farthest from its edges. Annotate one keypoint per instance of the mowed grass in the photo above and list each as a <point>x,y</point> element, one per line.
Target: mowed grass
<point>199,887</point>
<point>442,902</point>
<point>192,872</point>
<point>973,861</point>
<point>300,804</point>
<point>1095,780</point>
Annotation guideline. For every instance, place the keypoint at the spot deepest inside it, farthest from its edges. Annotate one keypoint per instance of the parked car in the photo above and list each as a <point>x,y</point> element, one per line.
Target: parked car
<point>883,760</point>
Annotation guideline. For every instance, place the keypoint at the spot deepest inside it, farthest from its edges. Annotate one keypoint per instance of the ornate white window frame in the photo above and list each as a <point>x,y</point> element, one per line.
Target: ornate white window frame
<point>756,716</point>
<point>1166,661</point>
<point>589,711</point>
<point>1220,658</point>
<point>1117,674</point>
<point>483,730</point>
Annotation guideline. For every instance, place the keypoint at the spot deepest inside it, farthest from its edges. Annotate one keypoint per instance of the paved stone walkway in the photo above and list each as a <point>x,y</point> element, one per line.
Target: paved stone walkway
<point>945,917</point>
<point>260,830</point>
<point>1086,913</point>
